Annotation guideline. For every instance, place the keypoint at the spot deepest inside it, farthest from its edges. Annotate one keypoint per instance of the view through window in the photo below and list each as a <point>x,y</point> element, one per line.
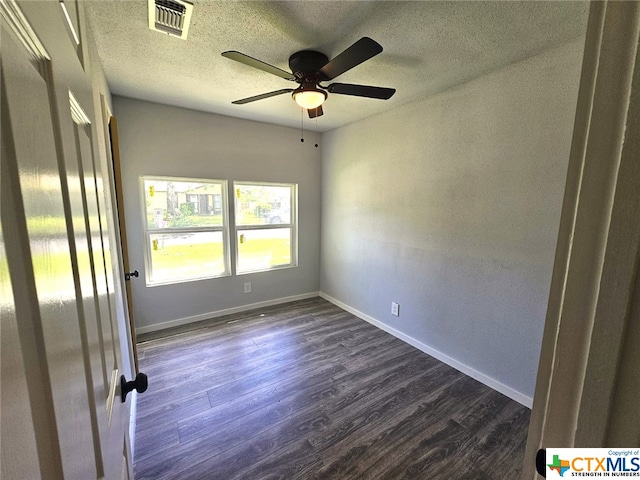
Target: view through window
<point>265,215</point>
<point>187,228</point>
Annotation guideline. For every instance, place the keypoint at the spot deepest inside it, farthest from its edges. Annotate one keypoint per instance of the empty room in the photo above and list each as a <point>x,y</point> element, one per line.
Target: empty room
<point>317,239</point>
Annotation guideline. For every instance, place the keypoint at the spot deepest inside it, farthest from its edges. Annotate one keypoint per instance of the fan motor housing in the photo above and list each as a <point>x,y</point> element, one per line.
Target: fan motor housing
<point>306,63</point>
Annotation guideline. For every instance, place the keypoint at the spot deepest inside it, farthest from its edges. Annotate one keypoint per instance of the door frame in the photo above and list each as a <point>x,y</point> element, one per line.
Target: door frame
<point>583,375</point>
<point>111,134</point>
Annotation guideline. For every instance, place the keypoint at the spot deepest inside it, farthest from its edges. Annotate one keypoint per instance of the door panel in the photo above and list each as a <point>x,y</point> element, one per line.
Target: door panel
<point>96,255</point>
<point>90,320</point>
<point>108,403</point>
<point>53,293</point>
<point>17,435</point>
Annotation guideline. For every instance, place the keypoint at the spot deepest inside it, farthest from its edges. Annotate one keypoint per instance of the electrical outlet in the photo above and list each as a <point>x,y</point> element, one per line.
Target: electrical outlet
<point>247,287</point>
<point>395,309</point>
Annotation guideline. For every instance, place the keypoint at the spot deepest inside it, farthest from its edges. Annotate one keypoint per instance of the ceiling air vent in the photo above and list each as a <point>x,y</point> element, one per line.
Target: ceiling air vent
<point>170,16</point>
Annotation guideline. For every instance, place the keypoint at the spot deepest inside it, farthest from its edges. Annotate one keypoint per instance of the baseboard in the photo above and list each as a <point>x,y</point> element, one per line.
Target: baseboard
<point>452,362</point>
<point>219,313</point>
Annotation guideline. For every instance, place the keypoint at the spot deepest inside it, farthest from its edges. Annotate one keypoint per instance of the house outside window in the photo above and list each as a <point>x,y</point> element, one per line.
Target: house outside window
<point>186,229</point>
<point>265,226</point>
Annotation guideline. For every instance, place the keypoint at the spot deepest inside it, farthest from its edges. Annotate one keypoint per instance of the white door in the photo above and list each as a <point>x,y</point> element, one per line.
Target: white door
<point>97,285</point>
<point>65,418</point>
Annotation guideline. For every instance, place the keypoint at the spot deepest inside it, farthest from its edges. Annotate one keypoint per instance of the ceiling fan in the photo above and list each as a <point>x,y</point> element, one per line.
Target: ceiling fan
<point>309,68</point>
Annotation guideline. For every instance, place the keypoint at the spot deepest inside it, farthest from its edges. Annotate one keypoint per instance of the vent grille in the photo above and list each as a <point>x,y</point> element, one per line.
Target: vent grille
<point>170,16</point>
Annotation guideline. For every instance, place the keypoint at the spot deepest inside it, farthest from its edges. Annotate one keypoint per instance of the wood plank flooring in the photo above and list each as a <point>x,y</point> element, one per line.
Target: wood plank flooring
<point>306,390</point>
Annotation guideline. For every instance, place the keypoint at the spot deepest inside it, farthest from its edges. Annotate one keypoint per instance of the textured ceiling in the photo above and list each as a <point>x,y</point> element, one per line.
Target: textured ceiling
<point>428,46</point>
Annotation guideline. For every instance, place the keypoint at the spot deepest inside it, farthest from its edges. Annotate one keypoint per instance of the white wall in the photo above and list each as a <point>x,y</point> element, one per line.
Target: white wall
<point>162,140</point>
<point>450,207</point>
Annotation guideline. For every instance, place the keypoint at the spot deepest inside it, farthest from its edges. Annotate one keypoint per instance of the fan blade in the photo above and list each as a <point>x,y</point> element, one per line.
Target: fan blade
<point>262,96</point>
<point>315,112</point>
<point>260,65</point>
<point>368,91</point>
<point>362,50</point>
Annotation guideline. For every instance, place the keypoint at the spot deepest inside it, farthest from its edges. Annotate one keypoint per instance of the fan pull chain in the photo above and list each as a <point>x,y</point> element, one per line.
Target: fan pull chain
<point>316,131</point>
<point>302,126</point>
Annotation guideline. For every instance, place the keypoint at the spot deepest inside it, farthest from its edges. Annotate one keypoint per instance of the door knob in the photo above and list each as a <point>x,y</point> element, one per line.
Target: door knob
<point>541,460</point>
<point>128,275</point>
<point>140,384</point>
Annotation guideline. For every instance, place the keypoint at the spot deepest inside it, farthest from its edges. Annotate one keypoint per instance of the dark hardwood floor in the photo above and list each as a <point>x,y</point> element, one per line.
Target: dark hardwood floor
<point>308,391</point>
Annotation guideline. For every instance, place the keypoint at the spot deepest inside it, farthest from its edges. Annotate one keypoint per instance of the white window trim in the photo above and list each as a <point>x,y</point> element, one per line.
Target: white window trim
<point>149,231</point>
<point>293,226</point>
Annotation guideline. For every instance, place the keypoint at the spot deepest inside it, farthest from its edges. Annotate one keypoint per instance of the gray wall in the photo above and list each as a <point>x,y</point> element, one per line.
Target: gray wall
<point>450,207</point>
<point>161,140</point>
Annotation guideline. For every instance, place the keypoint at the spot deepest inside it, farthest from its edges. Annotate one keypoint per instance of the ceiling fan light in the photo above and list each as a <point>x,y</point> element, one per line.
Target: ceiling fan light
<point>309,98</point>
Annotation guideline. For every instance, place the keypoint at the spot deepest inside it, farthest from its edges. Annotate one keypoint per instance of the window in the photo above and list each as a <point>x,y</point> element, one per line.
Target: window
<point>266,232</point>
<point>186,229</point>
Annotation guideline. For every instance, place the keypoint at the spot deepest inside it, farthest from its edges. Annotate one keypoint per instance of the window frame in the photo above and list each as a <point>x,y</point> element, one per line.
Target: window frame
<point>149,231</point>
<point>292,225</point>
